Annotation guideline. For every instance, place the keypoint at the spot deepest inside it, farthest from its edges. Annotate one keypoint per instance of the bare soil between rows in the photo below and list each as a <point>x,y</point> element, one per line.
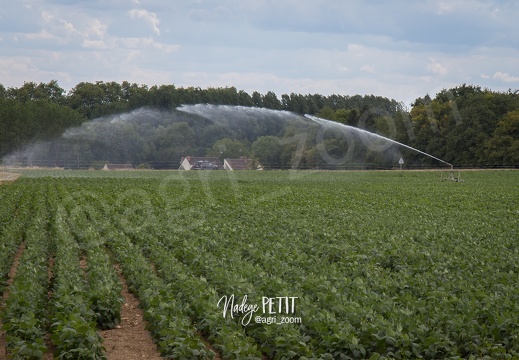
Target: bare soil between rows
<point>7,177</point>
<point>130,339</point>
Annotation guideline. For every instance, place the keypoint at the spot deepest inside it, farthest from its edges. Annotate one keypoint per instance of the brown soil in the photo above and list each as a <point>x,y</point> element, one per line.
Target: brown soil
<point>12,274</point>
<point>130,339</point>
<point>7,177</point>
<point>83,263</point>
<point>209,346</point>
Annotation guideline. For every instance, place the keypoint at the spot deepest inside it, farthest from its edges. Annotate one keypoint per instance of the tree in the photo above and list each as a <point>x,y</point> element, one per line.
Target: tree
<point>465,125</point>
<point>31,91</point>
<point>326,113</point>
<point>43,119</point>
<point>228,148</point>
<point>267,149</point>
<point>135,95</point>
<point>173,142</point>
<point>99,99</point>
<point>165,96</point>
<point>212,133</point>
<point>179,134</point>
<point>85,98</point>
<point>342,116</point>
<point>271,101</point>
<point>257,100</point>
<point>244,99</point>
<point>503,148</point>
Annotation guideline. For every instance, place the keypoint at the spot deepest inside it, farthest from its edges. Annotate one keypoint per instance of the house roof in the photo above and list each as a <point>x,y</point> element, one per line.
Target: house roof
<point>239,164</point>
<point>194,159</point>
<point>118,167</point>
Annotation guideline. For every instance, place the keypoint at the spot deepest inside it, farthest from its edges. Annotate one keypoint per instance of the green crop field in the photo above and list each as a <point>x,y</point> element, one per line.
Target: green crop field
<point>275,265</point>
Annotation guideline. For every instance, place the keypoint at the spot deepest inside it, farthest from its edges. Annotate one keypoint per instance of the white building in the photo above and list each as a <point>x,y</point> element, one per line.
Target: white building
<point>187,162</point>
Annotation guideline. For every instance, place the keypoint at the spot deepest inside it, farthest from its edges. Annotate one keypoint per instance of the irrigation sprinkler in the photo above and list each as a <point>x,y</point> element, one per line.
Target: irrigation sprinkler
<point>451,176</point>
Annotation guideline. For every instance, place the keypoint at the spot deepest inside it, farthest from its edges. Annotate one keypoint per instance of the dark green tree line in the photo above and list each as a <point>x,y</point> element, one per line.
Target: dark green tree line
<point>466,126</point>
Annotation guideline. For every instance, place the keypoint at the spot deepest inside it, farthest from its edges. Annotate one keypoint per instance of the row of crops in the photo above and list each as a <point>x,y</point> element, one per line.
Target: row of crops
<point>376,265</point>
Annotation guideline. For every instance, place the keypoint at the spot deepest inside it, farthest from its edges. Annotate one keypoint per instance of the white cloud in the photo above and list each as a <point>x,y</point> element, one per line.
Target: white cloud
<point>356,49</point>
<point>506,77</point>
<point>15,65</point>
<point>327,46</point>
<point>435,67</point>
<point>94,44</point>
<point>490,8</point>
<point>147,16</point>
<point>218,13</point>
<point>56,25</point>
<point>147,42</point>
<point>444,7</point>
<point>42,35</point>
<point>368,68</point>
<point>20,69</point>
<point>96,28</point>
<point>342,69</point>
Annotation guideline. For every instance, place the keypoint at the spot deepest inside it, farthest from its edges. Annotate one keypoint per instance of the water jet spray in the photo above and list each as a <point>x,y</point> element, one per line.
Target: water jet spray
<point>451,175</point>
<point>348,127</point>
<point>159,137</point>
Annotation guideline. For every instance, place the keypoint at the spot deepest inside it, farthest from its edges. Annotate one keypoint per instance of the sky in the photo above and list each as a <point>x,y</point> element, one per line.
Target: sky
<point>399,49</point>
